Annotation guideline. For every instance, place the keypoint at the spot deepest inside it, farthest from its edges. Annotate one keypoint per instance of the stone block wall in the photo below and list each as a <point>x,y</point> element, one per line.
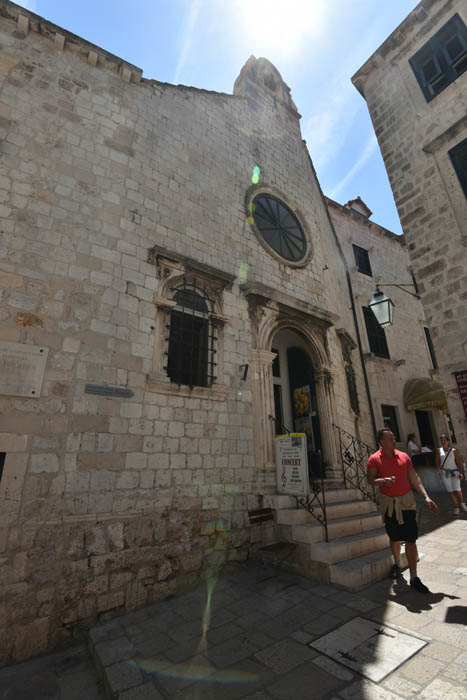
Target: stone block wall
<point>111,503</point>
<point>407,345</point>
<point>415,137</point>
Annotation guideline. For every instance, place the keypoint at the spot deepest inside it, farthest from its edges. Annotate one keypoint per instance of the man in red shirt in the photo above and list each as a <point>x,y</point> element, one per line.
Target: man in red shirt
<point>392,471</point>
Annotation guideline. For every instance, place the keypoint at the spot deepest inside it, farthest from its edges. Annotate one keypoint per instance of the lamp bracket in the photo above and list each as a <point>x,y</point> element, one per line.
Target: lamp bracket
<point>400,286</point>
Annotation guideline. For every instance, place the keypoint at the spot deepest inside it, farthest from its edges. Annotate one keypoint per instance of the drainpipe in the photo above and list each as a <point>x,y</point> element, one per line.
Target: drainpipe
<point>360,350</point>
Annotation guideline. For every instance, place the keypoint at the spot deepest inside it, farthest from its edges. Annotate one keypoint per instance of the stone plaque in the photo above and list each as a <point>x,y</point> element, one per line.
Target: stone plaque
<point>22,369</point>
<point>370,648</point>
<point>104,390</point>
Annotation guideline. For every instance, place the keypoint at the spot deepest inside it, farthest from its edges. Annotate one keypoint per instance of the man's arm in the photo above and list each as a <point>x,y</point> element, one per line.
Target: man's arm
<point>373,480</point>
<point>416,482</point>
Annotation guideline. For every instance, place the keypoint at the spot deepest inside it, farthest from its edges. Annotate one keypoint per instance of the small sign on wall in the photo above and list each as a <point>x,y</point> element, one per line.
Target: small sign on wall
<point>292,464</point>
<point>461,379</point>
<point>22,369</point>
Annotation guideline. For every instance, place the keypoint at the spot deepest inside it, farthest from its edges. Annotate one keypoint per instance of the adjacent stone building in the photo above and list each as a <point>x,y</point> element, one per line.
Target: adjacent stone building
<point>170,273</point>
<point>393,357</point>
<point>415,86</point>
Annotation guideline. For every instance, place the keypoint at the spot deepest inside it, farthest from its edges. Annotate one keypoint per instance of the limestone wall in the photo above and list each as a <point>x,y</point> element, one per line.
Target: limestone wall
<point>111,503</point>
<point>415,137</point>
<point>406,340</point>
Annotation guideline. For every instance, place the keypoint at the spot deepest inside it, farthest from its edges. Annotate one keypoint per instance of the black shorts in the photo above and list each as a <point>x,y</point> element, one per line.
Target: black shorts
<point>408,532</point>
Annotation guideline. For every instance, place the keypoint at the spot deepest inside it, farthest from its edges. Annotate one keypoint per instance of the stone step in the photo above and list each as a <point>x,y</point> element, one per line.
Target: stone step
<point>300,516</point>
<point>341,527</point>
<point>357,573</point>
<point>280,501</point>
<point>345,548</point>
<point>333,495</point>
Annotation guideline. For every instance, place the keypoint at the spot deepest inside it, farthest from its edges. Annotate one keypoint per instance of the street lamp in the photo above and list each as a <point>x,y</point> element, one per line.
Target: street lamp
<point>383,307</point>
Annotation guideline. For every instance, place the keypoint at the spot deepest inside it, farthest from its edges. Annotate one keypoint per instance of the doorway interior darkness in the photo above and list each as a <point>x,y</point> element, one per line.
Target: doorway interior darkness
<point>424,428</point>
<point>295,401</point>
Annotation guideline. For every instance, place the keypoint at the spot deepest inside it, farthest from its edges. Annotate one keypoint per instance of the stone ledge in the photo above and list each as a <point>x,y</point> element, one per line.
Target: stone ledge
<point>216,392</point>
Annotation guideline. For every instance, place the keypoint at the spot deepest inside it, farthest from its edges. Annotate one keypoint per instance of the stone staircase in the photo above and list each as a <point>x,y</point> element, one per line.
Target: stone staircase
<point>357,553</point>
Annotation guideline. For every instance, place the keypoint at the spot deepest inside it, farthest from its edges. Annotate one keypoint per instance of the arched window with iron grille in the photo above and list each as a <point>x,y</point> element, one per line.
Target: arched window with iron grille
<point>191,341</point>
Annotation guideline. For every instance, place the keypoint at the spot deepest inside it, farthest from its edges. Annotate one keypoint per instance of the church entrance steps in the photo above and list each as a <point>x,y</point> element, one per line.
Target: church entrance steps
<point>278,501</point>
<point>357,552</point>
<point>340,527</point>
<point>357,573</point>
<point>334,510</point>
<point>345,548</point>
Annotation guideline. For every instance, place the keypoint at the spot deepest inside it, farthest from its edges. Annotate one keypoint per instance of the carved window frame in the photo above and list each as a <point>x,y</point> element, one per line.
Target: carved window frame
<point>347,345</point>
<point>172,274</point>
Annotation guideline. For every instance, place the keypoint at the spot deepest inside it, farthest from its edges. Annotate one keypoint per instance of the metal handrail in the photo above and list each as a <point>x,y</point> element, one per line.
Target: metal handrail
<point>354,456</point>
<point>312,502</point>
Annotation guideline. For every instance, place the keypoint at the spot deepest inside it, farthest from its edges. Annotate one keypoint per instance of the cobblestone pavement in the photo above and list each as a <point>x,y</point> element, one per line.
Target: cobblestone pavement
<point>259,626</point>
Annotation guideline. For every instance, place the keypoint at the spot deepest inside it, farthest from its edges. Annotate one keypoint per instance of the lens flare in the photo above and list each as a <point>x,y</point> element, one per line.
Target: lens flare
<point>192,672</point>
<point>243,271</point>
<point>255,175</point>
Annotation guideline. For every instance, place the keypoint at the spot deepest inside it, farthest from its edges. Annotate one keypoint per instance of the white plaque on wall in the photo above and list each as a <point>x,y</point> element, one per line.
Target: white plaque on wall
<point>292,464</point>
<point>22,369</point>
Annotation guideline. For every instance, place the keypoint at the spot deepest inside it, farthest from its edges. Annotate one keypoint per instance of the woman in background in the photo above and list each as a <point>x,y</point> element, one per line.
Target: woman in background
<point>412,448</point>
<point>451,469</point>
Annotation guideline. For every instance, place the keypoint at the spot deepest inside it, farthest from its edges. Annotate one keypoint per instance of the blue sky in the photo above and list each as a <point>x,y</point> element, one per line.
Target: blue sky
<point>317,45</point>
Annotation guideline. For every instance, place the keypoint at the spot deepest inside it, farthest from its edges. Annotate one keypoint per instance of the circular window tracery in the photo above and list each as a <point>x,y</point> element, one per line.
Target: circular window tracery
<point>279,227</point>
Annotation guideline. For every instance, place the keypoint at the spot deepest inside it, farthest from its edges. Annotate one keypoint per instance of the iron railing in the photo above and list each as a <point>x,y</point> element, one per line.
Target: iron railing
<point>354,456</point>
<point>315,500</point>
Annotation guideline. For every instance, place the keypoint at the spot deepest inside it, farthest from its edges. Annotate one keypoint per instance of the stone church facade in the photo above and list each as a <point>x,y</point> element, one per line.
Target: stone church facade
<point>415,86</point>
<point>170,271</point>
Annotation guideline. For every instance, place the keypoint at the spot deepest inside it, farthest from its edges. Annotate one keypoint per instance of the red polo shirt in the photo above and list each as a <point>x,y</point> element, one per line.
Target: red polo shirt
<point>397,466</point>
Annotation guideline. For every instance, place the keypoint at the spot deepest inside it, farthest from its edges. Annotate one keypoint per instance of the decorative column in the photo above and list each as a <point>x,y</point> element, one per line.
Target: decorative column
<point>263,427</point>
<point>324,391</point>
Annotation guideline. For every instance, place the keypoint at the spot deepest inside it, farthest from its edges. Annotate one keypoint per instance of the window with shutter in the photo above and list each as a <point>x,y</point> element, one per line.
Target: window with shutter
<point>458,156</point>
<point>442,59</point>
<point>376,335</point>
<point>362,260</point>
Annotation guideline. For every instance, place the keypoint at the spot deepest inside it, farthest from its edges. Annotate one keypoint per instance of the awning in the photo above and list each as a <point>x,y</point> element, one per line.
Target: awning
<point>423,392</point>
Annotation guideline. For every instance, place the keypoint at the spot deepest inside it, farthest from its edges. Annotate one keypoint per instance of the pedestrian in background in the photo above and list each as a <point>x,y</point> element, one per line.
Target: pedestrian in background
<point>451,469</point>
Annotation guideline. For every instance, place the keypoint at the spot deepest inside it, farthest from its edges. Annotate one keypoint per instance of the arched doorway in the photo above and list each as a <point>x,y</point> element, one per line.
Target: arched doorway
<point>296,405</point>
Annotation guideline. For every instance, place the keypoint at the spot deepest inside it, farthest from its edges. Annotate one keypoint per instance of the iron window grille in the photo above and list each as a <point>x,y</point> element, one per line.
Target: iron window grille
<point>458,156</point>
<point>376,334</point>
<point>191,337</point>
<point>362,260</point>
<point>442,59</point>
<point>279,227</point>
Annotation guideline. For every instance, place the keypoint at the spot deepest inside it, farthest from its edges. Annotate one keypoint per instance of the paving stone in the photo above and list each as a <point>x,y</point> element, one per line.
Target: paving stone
<point>106,631</point>
<point>174,678</point>
<point>367,690</point>
<point>421,667</point>
<point>334,669</point>
<point>147,691</point>
<point>440,651</point>
<point>443,690</point>
<point>402,686</point>
<point>239,681</point>
<point>122,676</point>
<point>284,655</point>
<point>306,682</point>
<point>322,624</point>
<point>113,650</point>
<point>238,648</point>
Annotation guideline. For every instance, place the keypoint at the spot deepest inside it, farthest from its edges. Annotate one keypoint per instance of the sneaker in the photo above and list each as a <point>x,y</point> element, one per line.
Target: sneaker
<point>419,586</point>
<point>395,572</point>
<point>456,511</point>
<point>464,507</point>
